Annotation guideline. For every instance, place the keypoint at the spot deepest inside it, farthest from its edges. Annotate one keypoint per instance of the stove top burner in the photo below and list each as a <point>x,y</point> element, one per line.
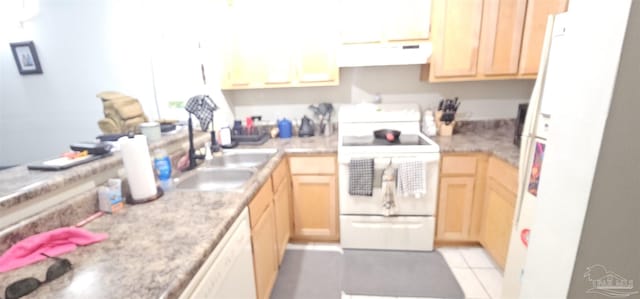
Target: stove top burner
<point>370,141</point>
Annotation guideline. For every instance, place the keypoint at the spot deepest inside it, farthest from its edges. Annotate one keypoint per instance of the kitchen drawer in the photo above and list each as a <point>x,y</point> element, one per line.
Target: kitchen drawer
<point>503,173</point>
<point>260,202</point>
<point>387,233</point>
<point>459,165</point>
<point>279,174</point>
<point>313,165</point>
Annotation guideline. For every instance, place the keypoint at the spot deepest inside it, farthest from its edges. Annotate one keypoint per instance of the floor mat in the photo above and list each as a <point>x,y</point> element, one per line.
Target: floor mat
<point>398,274</point>
<point>309,274</point>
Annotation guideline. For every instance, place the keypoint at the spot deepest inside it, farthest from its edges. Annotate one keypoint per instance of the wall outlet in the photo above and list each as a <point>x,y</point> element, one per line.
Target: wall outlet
<point>176,104</point>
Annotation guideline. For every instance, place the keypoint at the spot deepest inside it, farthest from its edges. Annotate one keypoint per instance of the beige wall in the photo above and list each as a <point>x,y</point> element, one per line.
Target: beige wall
<point>395,84</point>
<point>84,47</point>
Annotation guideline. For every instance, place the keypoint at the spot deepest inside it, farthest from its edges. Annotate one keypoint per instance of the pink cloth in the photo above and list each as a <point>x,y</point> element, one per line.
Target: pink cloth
<point>52,243</point>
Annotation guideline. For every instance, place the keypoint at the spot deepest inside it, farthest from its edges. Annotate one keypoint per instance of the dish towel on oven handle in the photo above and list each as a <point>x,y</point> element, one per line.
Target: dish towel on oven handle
<point>412,179</point>
<point>361,177</point>
<point>388,187</point>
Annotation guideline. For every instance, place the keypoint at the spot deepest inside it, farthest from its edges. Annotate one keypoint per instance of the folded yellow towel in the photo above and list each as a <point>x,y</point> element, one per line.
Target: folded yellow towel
<point>122,113</point>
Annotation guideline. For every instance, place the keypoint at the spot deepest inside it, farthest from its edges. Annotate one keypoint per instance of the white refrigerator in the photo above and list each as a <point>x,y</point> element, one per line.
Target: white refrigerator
<point>575,224</point>
<point>532,146</point>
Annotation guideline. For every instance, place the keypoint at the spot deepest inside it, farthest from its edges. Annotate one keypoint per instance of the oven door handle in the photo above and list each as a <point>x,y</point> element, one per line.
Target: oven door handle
<point>394,160</point>
<point>381,224</point>
<point>376,161</point>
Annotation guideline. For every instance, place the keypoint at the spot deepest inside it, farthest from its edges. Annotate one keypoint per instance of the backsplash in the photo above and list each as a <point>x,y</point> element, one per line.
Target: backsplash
<point>481,100</point>
<point>471,126</point>
<point>65,214</point>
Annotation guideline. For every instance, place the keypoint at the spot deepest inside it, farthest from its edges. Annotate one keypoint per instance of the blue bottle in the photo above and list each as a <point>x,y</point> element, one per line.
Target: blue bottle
<point>284,125</point>
<point>162,164</point>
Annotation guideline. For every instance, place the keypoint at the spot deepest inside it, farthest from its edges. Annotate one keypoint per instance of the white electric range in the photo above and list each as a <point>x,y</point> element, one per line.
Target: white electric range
<point>366,222</point>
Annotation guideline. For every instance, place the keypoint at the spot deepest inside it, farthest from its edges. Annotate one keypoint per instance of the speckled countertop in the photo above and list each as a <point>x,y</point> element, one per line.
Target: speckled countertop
<point>19,184</point>
<point>155,249</point>
<point>313,145</point>
<point>494,137</point>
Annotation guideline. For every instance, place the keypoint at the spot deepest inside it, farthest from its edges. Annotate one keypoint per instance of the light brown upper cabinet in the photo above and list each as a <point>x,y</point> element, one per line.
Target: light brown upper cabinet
<point>378,21</point>
<point>280,43</point>
<point>239,57</point>
<point>502,25</point>
<point>276,59</point>
<point>316,41</point>
<point>357,26</point>
<point>487,39</point>
<point>533,37</point>
<point>455,35</point>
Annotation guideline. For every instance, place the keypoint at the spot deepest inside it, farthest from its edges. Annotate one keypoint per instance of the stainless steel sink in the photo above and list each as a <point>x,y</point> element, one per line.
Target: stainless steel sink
<point>228,172</point>
<point>240,160</point>
<point>214,179</point>
<point>246,159</point>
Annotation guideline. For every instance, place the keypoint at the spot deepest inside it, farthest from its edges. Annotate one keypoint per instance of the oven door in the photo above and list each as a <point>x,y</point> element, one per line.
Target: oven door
<point>387,233</point>
<point>373,205</point>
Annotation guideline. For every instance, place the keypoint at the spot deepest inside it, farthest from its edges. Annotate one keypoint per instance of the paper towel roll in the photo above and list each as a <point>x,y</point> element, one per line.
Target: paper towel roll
<point>137,164</point>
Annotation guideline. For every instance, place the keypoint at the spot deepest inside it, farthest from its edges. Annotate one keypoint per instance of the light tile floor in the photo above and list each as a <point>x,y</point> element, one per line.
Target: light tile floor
<point>477,274</point>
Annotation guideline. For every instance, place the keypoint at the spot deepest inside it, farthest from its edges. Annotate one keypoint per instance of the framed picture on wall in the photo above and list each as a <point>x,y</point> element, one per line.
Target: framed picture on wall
<point>26,58</point>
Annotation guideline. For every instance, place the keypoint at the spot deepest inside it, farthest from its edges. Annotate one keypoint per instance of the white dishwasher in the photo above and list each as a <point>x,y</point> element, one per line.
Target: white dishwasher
<point>228,271</point>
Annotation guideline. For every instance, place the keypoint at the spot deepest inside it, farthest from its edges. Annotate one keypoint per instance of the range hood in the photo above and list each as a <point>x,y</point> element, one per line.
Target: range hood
<point>376,54</point>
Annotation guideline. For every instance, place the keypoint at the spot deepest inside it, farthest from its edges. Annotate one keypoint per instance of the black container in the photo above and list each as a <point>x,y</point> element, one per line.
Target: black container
<point>382,134</point>
<point>306,127</point>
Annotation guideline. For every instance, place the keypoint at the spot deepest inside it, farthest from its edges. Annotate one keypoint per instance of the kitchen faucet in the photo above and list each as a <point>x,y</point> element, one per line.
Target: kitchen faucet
<point>192,150</point>
<point>213,147</point>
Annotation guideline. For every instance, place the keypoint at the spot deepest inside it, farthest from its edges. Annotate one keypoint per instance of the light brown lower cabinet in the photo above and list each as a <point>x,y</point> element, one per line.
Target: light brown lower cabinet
<point>454,211</point>
<point>497,221</point>
<point>315,207</point>
<point>308,199</point>
<point>265,253</point>
<point>462,177</point>
<point>476,202</point>
<point>263,238</point>
<point>273,208</point>
<point>499,206</point>
<point>281,200</point>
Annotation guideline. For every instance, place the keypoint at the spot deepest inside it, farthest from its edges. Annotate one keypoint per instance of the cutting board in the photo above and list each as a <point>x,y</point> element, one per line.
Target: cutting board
<point>64,162</point>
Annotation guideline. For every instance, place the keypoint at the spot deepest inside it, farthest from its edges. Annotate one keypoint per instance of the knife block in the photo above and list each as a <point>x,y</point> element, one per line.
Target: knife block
<point>437,117</point>
<point>446,130</point>
<point>443,129</point>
